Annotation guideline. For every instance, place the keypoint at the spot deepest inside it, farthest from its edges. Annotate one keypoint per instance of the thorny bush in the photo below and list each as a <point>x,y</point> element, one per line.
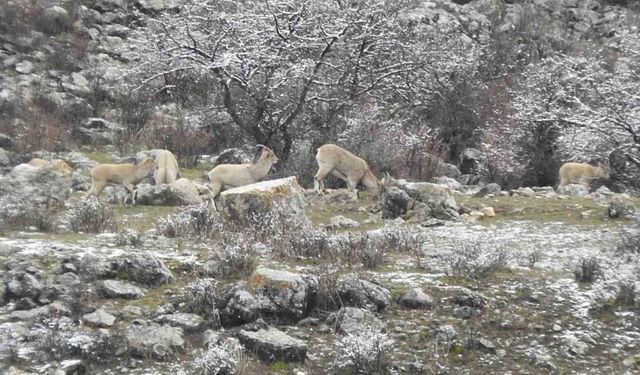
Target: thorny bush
<point>91,216</point>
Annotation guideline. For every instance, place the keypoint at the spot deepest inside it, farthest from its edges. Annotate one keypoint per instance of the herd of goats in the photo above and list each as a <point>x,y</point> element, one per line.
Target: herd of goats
<point>331,159</point>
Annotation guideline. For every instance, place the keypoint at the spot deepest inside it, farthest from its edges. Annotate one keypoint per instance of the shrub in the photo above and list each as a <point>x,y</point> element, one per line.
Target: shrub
<point>476,260</point>
<point>21,214</point>
<point>89,215</point>
<point>217,360</point>
<point>587,268</point>
<point>41,129</point>
<point>187,144</point>
<point>192,221</point>
<point>128,237</point>
<point>363,353</point>
<point>235,261</point>
<point>630,241</point>
<point>327,297</point>
<point>199,297</point>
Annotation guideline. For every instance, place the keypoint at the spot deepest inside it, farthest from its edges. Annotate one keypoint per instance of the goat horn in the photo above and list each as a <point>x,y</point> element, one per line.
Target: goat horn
<point>263,146</point>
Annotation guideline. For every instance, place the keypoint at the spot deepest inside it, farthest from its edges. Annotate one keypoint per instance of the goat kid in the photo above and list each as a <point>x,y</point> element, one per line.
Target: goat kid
<point>227,176</point>
<point>127,175</point>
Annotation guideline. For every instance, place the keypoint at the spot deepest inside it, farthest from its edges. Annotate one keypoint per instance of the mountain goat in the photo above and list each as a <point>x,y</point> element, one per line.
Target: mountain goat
<point>582,173</point>
<point>346,166</point>
<point>127,175</point>
<point>226,176</point>
<point>168,170</point>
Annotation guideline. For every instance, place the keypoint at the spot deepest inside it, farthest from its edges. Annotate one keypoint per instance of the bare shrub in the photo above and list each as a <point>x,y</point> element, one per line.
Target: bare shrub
<point>192,221</point>
<point>587,268</point>
<point>533,257</point>
<point>134,111</point>
<point>630,241</point>
<point>22,214</point>
<point>41,129</point>
<point>221,359</point>
<point>90,216</point>
<point>129,237</point>
<point>199,297</point>
<point>363,353</point>
<point>235,260</point>
<point>476,260</point>
<point>327,297</point>
<point>187,144</point>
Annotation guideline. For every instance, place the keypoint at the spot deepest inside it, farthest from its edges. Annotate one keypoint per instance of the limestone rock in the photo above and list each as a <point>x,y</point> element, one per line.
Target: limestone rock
<point>273,345</point>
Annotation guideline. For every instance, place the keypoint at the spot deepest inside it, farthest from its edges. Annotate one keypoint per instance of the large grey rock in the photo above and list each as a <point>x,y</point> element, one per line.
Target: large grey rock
<point>188,322</point>
<point>416,298</point>
<point>434,200</point>
<point>55,20</point>
<point>142,337</point>
<point>55,308</point>
<point>362,293</point>
<point>97,131</point>
<point>573,190</point>
<point>120,289</point>
<point>110,5</point>
<point>352,320</point>
<point>256,204</point>
<point>20,284</point>
<point>26,184</point>
<point>157,6</point>
<point>181,192</point>
<point>489,189</point>
<point>451,183</point>
<point>231,156</point>
<point>394,203</point>
<point>143,268</point>
<point>272,345</point>
<point>340,222</point>
<point>472,161</point>
<point>99,318</point>
<point>274,295</point>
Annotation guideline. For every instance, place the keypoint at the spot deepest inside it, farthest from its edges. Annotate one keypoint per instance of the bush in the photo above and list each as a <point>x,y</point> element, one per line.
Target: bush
<point>41,129</point>
<point>235,261</point>
<point>19,215</point>
<point>187,144</point>
<point>363,353</point>
<point>192,221</point>
<point>128,237</point>
<point>587,268</point>
<point>217,360</point>
<point>199,297</point>
<point>477,260</point>
<point>90,216</point>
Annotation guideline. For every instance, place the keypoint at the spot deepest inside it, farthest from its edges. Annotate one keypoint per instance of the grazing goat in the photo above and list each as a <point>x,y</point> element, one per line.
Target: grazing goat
<point>127,175</point>
<point>226,176</point>
<point>346,166</point>
<point>167,171</point>
<point>581,173</point>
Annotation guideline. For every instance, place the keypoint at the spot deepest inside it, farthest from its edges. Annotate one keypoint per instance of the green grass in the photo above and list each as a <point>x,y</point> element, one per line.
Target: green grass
<point>100,157</point>
<point>543,209</point>
<point>140,218</point>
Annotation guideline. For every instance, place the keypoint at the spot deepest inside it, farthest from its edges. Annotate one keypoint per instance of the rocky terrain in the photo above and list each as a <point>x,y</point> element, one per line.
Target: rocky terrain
<point>458,275</point>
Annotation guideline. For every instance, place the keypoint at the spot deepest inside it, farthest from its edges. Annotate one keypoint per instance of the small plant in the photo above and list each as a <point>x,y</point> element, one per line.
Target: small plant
<point>237,260</point>
<point>533,257</point>
<point>630,241</point>
<point>24,214</point>
<point>327,298</point>
<point>193,221</point>
<point>477,260</point>
<point>129,237</point>
<point>199,297</point>
<point>587,269</point>
<point>363,353</point>
<point>89,215</point>
<point>217,360</point>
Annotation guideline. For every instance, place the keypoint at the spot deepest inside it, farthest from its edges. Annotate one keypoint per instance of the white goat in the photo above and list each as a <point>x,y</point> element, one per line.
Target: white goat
<point>226,176</point>
<point>346,166</point>
<point>582,173</point>
<point>127,175</point>
<point>167,171</point>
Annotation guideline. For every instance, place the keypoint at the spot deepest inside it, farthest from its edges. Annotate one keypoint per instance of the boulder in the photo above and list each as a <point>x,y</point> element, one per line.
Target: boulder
<point>231,156</point>
<point>394,203</point>
<point>472,161</point>
<point>120,289</point>
<point>341,222</point>
<point>573,190</point>
<point>272,345</point>
<point>110,5</point>
<point>157,6</point>
<point>181,192</point>
<point>489,189</point>
<point>352,320</point>
<point>415,299</point>
<point>188,322</point>
<point>437,199</point>
<point>449,182</point>
<point>54,20</point>
<point>362,293</point>
<point>37,186</point>
<point>142,337</point>
<point>20,284</point>
<point>5,158</point>
<point>237,305</point>
<point>97,131</point>
<point>448,170</point>
<point>55,308</point>
<point>99,318</point>
<point>143,268</point>
<point>255,204</point>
